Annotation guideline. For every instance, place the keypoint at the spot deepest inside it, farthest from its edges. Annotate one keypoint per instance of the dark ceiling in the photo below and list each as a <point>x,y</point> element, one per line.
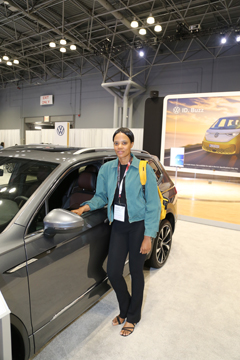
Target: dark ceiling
<point>105,41</point>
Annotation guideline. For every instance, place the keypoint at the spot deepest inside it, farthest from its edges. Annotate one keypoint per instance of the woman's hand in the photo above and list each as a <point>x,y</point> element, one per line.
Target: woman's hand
<point>146,245</point>
<point>81,210</point>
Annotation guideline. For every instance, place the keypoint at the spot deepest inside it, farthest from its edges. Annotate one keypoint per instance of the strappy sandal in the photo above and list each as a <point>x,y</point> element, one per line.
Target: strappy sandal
<point>128,329</point>
<point>119,322</point>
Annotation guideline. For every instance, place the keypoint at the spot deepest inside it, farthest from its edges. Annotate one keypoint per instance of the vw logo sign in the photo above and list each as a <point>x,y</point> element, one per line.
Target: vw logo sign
<point>60,130</point>
<point>176,110</point>
<point>216,135</point>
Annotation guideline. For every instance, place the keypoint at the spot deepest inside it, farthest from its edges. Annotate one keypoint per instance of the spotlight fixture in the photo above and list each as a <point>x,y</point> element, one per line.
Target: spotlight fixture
<point>150,20</point>
<point>52,44</point>
<point>5,57</point>
<point>141,53</point>
<point>63,42</point>
<point>134,23</point>
<point>73,47</point>
<point>9,63</point>
<point>63,49</point>
<point>157,28</point>
<point>142,31</point>
<point>223,40</point>
<point>16,61</point>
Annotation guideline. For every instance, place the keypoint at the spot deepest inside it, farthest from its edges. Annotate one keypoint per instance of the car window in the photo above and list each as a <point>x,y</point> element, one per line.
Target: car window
<point>19,179</point>
<point>232,122</point>
<point>156,169</point>
<point>37,223</point>
<point>77,186</point>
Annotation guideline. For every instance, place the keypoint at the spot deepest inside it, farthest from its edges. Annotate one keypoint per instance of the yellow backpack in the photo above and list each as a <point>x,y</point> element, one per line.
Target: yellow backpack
<point>143,179</point>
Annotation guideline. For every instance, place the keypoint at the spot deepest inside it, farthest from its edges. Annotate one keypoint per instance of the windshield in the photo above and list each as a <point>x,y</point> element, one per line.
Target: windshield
<point>232,122</point>
<point>19,178</point>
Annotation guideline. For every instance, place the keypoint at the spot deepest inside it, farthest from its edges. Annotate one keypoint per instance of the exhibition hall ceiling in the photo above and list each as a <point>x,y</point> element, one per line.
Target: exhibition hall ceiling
<point>105,41</point>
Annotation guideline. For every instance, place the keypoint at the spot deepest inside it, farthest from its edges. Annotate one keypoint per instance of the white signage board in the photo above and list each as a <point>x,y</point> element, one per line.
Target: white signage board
<point>46,100</point>
<point>5,332</point>
<point>61,136</point>
<point>177,157</point>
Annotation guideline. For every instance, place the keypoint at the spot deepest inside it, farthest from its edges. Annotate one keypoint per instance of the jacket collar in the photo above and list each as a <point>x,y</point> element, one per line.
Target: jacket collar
<point>134,163</point>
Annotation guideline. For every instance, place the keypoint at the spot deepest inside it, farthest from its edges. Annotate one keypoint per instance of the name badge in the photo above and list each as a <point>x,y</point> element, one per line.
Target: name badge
<point>119,212</point>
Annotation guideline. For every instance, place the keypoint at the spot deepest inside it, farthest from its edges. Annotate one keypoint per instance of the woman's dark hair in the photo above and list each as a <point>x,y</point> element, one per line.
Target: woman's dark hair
<point>125,131</point>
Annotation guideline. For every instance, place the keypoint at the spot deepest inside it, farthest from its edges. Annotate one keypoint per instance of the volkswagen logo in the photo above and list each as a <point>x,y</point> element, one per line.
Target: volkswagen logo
<point>176,110</point>
<point>60,130</point>
<point>216,135</point>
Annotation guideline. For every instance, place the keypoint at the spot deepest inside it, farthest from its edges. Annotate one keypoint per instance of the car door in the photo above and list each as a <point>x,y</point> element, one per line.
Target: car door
<point>66,270</point>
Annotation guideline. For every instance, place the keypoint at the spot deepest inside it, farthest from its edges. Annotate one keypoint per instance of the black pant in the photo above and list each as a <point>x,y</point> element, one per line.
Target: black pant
<point>127,238</point>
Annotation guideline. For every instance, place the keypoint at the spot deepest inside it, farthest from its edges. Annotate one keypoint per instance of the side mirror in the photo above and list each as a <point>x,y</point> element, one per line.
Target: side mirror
<point>60,221</point>
<point>1,172</point>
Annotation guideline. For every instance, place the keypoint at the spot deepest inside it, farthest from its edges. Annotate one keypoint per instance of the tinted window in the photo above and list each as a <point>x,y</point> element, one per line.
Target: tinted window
<point>19,178</point>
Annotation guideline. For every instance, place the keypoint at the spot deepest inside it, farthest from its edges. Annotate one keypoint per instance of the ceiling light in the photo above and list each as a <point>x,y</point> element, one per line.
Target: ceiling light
<point>52,44</point>
<point>141,53</point>
<point>223,40</point>
<point>9,63</point>
<point>63,42</point>
<point>150,20</point>
<point>5,57</point>
<point>157,28</point>
<point>73,47</point>
<point>0,60</point>
<point>238,38</point>
<point>16,61</point>
<point>142,31</point>
<point>134,23</point>
<point>63,49</point>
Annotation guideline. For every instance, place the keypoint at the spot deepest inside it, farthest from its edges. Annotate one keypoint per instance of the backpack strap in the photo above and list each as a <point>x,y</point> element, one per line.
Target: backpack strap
<point>143,173</point>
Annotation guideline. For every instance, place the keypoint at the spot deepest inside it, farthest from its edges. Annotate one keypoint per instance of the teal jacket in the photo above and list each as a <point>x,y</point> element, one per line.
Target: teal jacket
<point>139,207</point>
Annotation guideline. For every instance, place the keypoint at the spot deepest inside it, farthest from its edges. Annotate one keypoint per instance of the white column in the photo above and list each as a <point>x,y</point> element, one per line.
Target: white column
<point>115,112</point>
<point>130,113</point>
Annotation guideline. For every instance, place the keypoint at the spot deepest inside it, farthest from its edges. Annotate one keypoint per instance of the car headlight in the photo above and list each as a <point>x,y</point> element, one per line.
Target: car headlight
<point>232,134</point>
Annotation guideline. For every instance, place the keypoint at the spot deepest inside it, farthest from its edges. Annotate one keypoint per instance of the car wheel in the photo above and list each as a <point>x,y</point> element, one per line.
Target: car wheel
<point>161,246</point>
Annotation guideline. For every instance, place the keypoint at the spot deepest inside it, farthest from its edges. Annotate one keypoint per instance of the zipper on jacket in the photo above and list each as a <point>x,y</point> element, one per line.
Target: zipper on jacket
<point>110,222</point>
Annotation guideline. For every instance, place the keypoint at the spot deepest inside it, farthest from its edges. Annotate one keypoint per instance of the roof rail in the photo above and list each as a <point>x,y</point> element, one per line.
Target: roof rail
<point>141,151</point>
<point>86,150</point>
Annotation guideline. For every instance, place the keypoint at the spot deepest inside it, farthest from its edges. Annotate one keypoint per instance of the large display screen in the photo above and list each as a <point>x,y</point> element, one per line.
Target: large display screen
<point>207,126</point>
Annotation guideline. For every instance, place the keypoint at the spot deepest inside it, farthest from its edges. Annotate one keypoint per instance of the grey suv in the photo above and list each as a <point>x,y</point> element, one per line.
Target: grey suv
<point>53,262</point>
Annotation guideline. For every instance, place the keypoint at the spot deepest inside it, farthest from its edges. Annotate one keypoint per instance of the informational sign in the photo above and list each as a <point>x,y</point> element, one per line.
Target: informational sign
<point>46,100</point>
<point>61,136</point>
<point>5,332</point>
<point>177,157</point>
<point>207,126</point>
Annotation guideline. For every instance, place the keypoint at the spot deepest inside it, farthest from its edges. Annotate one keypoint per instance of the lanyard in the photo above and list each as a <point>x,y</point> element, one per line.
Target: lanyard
<point>120,184</point>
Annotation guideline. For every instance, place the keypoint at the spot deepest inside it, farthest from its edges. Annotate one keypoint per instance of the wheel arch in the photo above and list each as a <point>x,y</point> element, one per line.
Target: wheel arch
<point>170,217</point>
<point>20,339</point>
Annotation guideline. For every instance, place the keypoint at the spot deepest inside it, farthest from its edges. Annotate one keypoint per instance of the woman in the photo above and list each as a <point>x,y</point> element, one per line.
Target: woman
<point>135,220</point>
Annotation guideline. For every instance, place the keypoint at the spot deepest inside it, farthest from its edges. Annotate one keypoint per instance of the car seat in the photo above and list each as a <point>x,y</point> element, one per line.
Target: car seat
<point>84,191</point>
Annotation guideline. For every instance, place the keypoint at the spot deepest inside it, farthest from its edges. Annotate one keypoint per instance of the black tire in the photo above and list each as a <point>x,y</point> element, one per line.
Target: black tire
<point>161,246</point>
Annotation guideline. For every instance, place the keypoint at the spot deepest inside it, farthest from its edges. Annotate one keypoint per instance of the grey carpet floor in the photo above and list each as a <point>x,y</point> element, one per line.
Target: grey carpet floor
<point>191,307</point>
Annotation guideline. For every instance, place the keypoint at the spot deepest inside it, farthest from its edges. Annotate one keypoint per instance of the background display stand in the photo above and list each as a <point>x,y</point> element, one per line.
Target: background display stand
<point>5,330</point>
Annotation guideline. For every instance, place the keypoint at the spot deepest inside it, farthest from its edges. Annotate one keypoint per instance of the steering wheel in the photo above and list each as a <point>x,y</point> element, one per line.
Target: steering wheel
<point>20,200</point>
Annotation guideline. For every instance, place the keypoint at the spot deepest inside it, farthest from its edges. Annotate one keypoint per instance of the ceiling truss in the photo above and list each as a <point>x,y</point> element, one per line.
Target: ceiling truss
<point>105,41</point>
